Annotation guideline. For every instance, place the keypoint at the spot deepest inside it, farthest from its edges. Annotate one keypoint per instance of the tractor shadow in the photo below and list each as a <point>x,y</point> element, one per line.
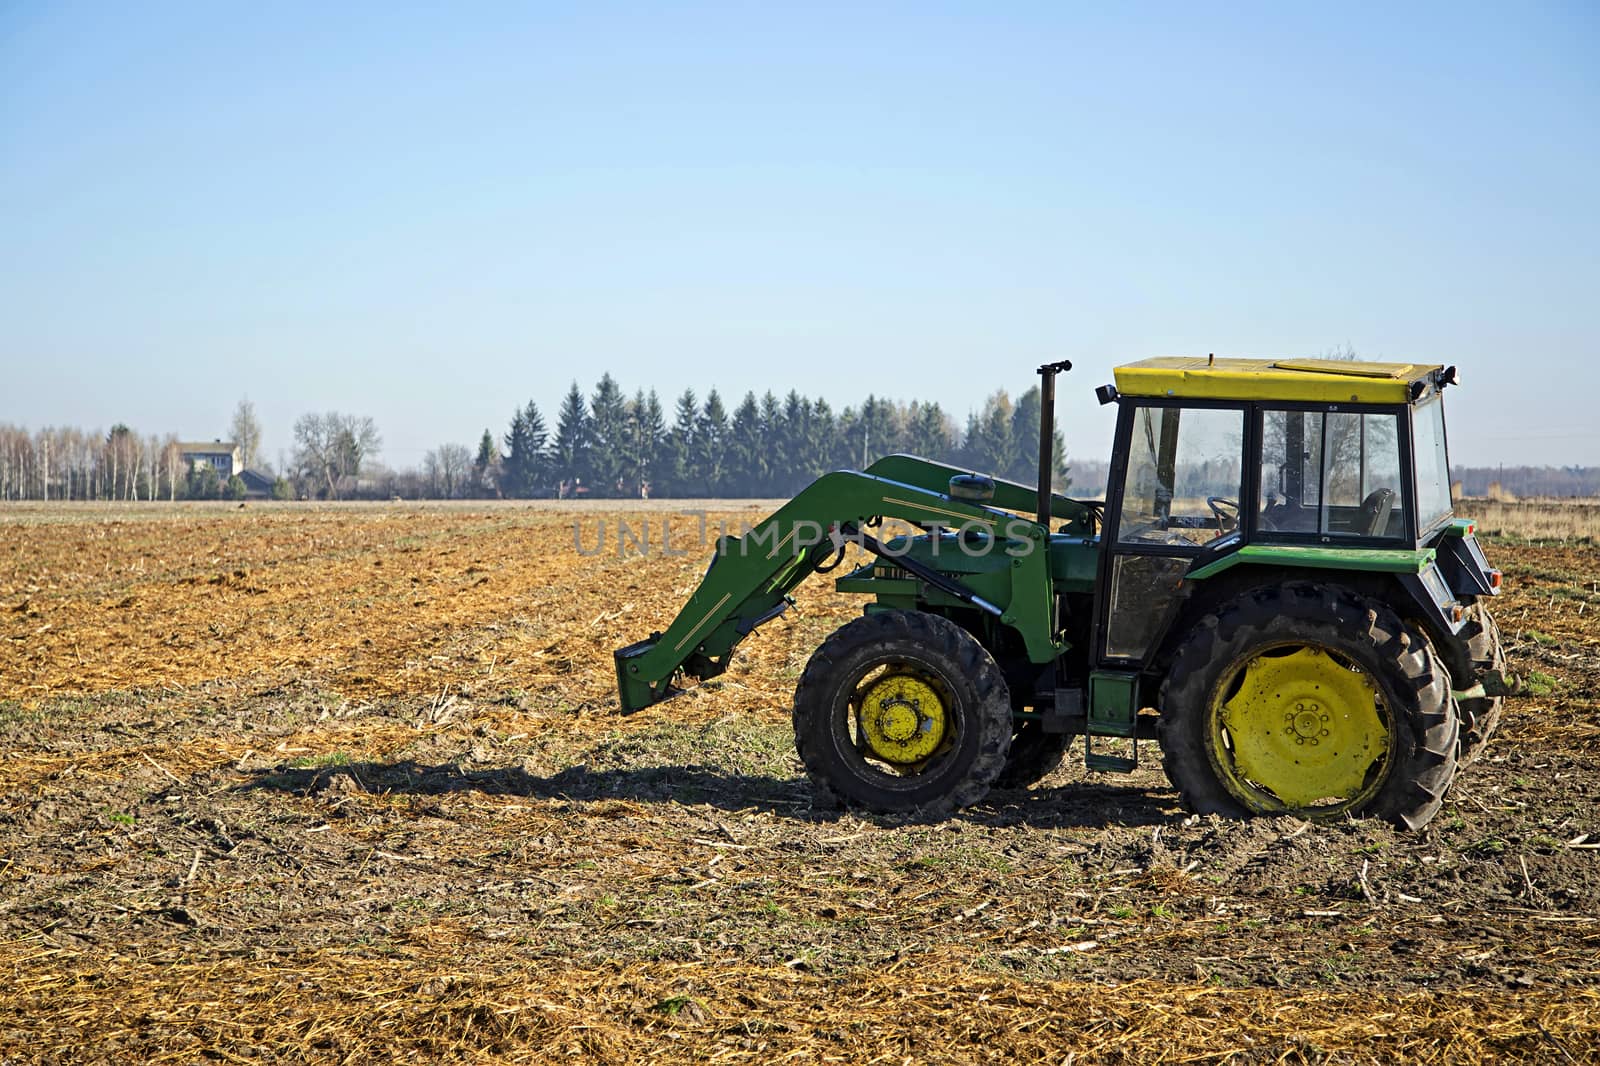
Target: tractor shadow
<point>1071,805</point>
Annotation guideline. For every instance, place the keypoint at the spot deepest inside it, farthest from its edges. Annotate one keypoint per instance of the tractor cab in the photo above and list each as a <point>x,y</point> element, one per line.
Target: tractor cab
<point>1306,463</point>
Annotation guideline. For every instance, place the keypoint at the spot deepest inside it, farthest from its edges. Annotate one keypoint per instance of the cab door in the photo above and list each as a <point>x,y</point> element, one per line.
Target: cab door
<point>1176,489</point>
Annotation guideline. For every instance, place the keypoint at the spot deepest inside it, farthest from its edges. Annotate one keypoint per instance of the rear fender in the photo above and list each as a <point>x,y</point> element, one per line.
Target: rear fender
<point>1420,594</point>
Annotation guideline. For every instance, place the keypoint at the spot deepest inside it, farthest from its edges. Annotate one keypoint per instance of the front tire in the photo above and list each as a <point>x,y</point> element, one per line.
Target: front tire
<point>902,711</point>
<point>1311,700</point>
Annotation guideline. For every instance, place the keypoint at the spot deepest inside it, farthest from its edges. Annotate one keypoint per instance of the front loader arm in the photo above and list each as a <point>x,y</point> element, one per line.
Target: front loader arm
<point>1008,495</point>
<point>750,577</point>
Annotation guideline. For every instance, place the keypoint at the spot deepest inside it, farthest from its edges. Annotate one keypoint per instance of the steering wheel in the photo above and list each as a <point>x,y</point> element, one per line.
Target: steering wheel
<point>1225,521</point>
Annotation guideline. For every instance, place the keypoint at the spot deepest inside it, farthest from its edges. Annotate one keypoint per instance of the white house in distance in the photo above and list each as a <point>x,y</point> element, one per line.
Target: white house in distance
<point>221,455</point>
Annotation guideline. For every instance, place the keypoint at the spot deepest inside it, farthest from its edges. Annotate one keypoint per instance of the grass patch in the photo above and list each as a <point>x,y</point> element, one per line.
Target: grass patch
<point>14,713</point>
<point>320,762</point>
<point>1538,683</point>
<point>1485,848</point>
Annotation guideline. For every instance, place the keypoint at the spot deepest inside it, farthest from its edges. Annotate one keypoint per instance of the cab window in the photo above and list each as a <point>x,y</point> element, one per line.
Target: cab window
<point>1333,474</point>
<point>1184,476</point>
<point>1433,469</point>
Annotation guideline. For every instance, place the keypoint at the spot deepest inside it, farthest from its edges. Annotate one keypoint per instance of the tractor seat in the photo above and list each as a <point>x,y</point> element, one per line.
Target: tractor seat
<point>1375,509</point>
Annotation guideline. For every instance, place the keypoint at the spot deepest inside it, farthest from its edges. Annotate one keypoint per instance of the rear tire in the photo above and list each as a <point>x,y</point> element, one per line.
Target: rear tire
<point>1476,648</point>
<point>1281,650</point>
<point>865,735</point>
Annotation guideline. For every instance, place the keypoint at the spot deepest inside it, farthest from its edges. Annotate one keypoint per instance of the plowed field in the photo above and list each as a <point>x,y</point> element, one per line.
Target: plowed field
<point>349,784</point>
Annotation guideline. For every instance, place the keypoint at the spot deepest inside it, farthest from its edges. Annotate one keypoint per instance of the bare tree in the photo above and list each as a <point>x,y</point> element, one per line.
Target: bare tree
<point>171,464</point>
<point>246,432</point>
<point>152,466</point>
<point>122,445</point>
<point>333,446</point>
<point>432,475</point>
<point>448,470</point>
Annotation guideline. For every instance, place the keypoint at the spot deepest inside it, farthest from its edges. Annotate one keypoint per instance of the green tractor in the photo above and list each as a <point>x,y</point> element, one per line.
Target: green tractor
<point>1276,573</point>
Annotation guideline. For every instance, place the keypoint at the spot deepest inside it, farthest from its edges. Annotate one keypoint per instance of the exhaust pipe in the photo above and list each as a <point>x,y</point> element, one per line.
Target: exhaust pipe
<point>1047,436</point>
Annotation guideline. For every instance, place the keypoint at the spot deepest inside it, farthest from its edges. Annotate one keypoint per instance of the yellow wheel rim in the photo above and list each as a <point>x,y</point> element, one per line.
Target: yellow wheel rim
<point>903,719</point>
<point>1302,732</point>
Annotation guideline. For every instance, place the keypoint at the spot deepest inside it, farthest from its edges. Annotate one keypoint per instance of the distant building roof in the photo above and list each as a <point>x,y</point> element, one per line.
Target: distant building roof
<point>256,481</point>
<point>210,447</point>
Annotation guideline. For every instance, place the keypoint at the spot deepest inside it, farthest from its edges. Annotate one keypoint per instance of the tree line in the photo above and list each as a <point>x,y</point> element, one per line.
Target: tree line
<point>603,444</point>
<point>607,444</point>
<point>68,463</point>
<point>1582,481</point>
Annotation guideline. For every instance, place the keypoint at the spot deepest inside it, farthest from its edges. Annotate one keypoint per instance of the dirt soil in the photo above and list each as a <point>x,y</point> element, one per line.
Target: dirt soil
<point>350,784</point>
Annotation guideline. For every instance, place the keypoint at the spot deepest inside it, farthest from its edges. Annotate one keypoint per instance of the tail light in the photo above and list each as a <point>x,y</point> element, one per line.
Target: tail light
<point>1494,579</point>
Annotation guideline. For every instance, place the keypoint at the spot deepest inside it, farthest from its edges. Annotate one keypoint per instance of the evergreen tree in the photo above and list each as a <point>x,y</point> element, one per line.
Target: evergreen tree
<point>971,441</point>
<point>513,469</point>
<point>525,469</point>
<point>537,470</point>
<point>747,455</point>
<point>826,452</point>
<point>676,468</point>
<point>710,446</point>
<point>608,438</point>
<point>204,483</point>
<point>795,449</point>
<point>929,432</point>
<point>645,434</point>
<point>990,446</point>
<point>652,441</point>
<point>775,449</point>
<point>1025,437</point>
<point>571,452</point>
<point>877,432</point>
<point>486,467</point>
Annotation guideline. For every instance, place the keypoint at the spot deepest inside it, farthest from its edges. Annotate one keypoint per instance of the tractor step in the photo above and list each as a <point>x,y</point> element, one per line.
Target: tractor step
<point>1113,713</point>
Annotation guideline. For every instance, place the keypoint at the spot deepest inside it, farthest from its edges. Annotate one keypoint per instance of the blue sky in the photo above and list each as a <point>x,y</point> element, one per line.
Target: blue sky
<point>433,214</point>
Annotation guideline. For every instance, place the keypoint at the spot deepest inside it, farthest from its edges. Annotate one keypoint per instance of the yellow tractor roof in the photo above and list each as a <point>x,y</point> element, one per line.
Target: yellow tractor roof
<point>1299,380</point>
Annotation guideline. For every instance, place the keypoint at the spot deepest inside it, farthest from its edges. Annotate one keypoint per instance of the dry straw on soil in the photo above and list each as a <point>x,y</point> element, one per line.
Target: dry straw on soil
<point>339,1006</point>
<point>349,785</point>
